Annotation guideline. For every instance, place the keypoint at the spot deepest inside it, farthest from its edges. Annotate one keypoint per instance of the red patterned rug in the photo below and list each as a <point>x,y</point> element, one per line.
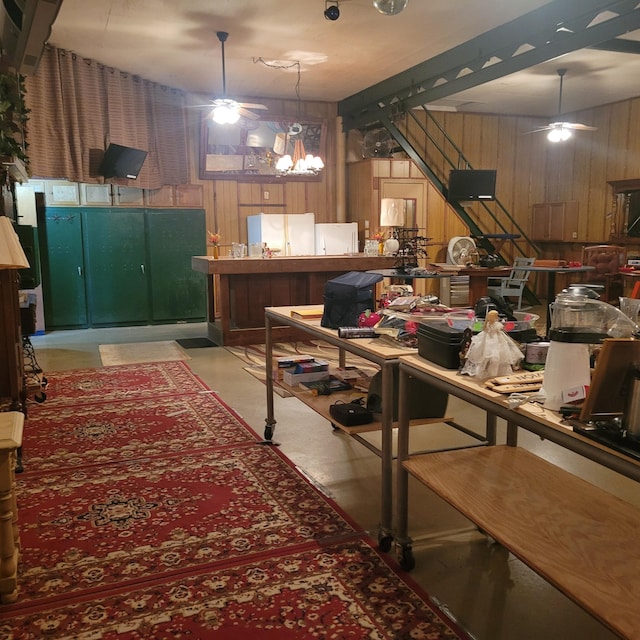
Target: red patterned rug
<point>71,435</point>
<point>161,516</point>
<point>120,382</point>
<point>341,591</point>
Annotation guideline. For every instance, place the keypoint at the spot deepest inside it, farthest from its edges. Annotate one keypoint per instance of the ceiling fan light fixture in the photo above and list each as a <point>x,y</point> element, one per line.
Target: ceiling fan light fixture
<point>225,113</point>
<point>559,134</point>
<point>390,7</point>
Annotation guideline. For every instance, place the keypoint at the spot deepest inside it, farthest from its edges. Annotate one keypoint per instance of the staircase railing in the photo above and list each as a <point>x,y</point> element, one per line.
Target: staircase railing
<point>508,228</point>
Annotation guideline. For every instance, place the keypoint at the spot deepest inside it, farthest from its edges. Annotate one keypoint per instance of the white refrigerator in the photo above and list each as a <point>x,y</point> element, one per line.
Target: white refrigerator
<point>336,238</point>
<point>293,234</point>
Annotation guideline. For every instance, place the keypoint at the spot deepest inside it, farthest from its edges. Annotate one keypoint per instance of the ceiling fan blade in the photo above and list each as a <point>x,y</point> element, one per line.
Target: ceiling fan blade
<point>576,126</point>
<point>538,130</point>
<point>245,113</point>
<point>250,105</point>
<point>582,127</point>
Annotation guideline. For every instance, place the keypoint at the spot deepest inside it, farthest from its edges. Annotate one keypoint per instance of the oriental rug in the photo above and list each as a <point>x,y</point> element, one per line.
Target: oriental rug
<point>339,591</point>
<point>99,433</point>
<point>117,383</point>
<point>149,513</point>
<point>139,352</point>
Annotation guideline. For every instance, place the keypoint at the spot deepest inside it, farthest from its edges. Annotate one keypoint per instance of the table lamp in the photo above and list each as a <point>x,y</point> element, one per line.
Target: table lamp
<point>11,253</point>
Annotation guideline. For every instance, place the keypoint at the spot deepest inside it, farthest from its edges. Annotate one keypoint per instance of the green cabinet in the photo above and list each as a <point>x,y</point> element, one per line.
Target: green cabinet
<point>116,266</point>
<point>133,266</point>
<point>62,262</point>
<point>177,292</point>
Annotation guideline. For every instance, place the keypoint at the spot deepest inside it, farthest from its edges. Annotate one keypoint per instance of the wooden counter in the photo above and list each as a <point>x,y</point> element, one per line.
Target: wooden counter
<point>239,290</point>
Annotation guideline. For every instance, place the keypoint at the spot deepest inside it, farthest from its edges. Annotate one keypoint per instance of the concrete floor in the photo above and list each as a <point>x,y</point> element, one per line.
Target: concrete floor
<point>490,593</point>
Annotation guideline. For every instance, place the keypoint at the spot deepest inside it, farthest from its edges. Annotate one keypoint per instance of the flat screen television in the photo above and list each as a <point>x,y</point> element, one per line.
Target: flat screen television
<point>471,184</point>
<point>122,162</point>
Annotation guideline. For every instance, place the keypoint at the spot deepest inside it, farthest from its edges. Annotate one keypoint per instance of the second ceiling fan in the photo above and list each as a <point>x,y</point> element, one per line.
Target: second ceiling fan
<point>561,130</point>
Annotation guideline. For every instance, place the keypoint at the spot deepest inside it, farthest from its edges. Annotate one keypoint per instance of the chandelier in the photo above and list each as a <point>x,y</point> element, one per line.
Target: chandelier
<point>301,164</point>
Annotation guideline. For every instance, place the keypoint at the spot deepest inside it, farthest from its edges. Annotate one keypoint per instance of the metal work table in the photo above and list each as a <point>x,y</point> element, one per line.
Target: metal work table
<point>371,349</point>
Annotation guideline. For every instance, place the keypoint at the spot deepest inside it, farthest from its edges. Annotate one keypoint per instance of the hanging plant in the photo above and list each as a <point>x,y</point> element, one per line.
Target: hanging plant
<point>13,117</point>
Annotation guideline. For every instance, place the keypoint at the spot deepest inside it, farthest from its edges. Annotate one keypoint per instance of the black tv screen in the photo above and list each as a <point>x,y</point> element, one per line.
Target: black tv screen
<point>471,184</point>
<point>122,162</point>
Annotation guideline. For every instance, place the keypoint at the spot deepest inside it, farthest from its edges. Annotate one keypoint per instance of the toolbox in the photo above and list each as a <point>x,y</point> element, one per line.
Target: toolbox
<point>439,343</point>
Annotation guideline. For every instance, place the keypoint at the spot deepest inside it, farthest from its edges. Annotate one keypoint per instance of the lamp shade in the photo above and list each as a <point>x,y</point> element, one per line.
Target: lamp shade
<point>11,254</point>
<point>392,212</point>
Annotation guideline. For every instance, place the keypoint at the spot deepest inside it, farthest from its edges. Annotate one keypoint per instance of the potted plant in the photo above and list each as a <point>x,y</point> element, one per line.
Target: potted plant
<point>13,119</point>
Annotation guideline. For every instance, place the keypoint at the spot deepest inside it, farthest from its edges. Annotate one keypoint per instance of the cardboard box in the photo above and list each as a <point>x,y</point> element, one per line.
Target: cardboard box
<point>280,363</point>
<point>292,379</point>
<point>310,367</point>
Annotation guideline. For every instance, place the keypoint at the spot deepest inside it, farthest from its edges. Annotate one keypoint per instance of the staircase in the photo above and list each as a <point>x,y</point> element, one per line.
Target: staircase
<point>410,133</point>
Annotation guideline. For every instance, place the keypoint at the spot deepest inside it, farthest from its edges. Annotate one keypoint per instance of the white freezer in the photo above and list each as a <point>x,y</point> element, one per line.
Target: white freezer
<point>336,238</point>
<point>293,233</point>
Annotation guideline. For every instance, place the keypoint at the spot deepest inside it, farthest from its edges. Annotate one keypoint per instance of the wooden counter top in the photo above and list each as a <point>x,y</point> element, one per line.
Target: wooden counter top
<point>291,264</point>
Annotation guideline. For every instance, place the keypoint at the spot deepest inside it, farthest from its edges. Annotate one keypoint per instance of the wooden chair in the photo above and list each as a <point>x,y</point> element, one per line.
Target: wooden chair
<point>513,285</point>
<point>606,260</point>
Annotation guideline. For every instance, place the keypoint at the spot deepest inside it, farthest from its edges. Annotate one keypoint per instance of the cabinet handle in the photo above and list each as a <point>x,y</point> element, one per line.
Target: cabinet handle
<point>142,268</point>
<point>80,271</point>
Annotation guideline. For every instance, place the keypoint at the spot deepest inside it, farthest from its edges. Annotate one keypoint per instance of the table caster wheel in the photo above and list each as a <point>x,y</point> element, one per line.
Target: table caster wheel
<point>268,433</point>
<point>384,543</point>
<point>406,560</point>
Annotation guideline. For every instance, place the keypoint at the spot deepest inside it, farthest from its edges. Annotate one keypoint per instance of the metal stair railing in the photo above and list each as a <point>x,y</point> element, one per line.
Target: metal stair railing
<point>501,218</point>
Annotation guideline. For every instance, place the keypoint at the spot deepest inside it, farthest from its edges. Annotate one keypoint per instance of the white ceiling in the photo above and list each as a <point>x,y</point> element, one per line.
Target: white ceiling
<point>174,42</point>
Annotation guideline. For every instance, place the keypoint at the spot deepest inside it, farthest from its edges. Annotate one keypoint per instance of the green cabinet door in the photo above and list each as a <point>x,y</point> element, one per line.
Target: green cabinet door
<point>62,262</point>
<point>116,265</point>
<point>173,237</point>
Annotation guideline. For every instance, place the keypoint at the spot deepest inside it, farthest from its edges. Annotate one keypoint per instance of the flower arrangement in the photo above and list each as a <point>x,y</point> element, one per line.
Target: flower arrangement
<point>379,236</point>
<point>213,238</point>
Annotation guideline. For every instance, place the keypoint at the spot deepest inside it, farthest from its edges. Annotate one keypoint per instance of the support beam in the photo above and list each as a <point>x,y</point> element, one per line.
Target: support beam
<point>552,30</point>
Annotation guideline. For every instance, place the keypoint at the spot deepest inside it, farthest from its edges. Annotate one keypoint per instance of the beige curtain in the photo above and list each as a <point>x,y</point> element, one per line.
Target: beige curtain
<point>78,106</point>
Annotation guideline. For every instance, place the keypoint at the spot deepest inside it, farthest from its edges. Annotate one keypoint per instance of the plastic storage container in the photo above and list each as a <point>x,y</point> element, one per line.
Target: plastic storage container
<point>439,343</point>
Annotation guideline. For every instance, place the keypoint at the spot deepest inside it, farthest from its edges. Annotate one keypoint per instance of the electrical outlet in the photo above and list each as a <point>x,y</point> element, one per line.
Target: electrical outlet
<point>574,235</point>
<point>265,195</point>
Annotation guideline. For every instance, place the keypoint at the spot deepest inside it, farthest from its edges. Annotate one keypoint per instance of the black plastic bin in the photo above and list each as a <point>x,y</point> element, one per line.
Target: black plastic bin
<point>439,343</point>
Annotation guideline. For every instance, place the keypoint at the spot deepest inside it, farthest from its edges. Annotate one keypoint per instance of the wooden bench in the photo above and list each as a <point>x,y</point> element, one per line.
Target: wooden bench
<point>583,540</point>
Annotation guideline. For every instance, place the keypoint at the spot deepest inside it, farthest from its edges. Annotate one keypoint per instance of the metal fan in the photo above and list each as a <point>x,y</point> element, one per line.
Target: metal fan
<point>460,249</point>
<point>561,131</point>
<point>226,110</point>
<point>377,143</point>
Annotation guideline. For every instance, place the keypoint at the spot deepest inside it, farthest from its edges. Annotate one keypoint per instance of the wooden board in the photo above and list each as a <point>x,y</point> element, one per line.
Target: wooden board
<point>608,391</point>
<point>569,531</point>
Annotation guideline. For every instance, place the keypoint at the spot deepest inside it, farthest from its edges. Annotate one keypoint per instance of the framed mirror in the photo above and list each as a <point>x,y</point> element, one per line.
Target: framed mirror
<point>249,149</point>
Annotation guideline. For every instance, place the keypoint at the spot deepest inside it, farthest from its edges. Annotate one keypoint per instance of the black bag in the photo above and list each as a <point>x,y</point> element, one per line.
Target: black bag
<point>350,414</point>
<point>346,297</point>
<point>425,400</point>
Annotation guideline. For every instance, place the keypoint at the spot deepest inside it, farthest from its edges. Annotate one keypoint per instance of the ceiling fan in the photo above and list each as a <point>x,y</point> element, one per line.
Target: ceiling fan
<point>561,131</point>
<point>226,110</point>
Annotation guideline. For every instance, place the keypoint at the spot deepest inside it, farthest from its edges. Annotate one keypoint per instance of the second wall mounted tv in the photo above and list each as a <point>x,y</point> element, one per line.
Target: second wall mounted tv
<point>471,184</point>
<point>122,162</point>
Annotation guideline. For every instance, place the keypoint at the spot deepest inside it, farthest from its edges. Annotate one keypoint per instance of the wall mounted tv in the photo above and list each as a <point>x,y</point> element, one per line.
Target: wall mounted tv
<point>122,162</point>
<point>471,184</point>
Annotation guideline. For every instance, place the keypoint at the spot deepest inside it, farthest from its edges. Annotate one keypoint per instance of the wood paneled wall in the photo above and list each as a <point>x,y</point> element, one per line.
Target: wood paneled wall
<point>530,170</point>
